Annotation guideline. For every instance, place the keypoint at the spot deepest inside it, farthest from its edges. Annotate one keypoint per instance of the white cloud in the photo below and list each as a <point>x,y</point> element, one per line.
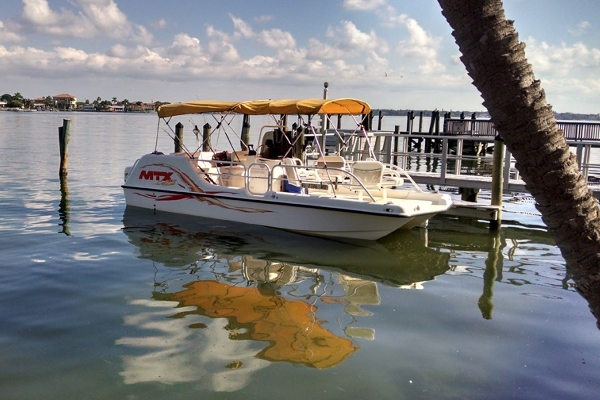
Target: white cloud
<point>68,54</point>
<point>420,44</point>
<point>292,58</point>
<point>160,24</point>
<point>318,50</point>
<point>562,60</point>
<point>363,5</point>
<point>263,18</point>
<point>186,45</point>
<point>580,28</point>
<point>94,18</point>
<point>277,38</point>
<point>420,47</point>
<point>220,47</point>
<point>8,36</point>
<point>216,34</point>
<point>566,71</point>
<point>352,39</point>
<point>104,14</point>
<point>242,29</point>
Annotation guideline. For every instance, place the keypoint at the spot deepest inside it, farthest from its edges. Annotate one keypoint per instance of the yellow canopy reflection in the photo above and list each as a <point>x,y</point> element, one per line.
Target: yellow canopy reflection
<point>289,326</point>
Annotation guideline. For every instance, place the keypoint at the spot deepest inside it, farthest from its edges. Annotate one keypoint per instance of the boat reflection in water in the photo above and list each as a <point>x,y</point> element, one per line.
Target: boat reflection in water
<point>230,299</point>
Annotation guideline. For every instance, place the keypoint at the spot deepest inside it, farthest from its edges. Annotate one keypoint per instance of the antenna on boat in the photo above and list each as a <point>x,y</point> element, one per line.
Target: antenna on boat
<point>323,130</point>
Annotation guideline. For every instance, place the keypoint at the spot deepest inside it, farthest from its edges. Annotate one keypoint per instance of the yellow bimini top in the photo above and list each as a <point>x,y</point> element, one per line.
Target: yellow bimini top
<point>346,106</point>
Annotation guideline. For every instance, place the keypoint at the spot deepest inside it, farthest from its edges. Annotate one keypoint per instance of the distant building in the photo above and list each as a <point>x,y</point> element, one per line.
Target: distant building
<point>117,108</point>
<point>65,101</point>
<point>39,103</point>
<point>140,106</point>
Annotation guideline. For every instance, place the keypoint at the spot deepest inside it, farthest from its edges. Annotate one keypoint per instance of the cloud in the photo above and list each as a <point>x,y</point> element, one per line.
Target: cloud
<point>93,18</point>
<point>580,28</point>
<point>352,39</point>
<point>363,5</point>
<point>318,50</point>
<point>566,68</point>
<point>420,44</point>
<point>242,29</point>
<point>263,18</point>
<point>9,36</point>
<point>160,24</point>
<point>277,38</point>
<point>220,46</point>
<point>562,60</point>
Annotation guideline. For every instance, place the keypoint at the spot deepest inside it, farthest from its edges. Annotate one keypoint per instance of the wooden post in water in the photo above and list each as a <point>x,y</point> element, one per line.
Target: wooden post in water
<point>428,141</point>
<point>63,142</point>
<point>380,118</point>
<point>178,139</point>
<point>437,143</point>
<point>396,139</point>
<point>410,116</point>
<point>206,131</point>
<point>368,121</point>
<point>497,179</point>
<point>245,137</point>
<point>298,139</point>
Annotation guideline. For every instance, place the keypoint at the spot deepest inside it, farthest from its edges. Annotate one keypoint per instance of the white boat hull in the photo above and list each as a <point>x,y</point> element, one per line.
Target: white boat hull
<point>172,183</point>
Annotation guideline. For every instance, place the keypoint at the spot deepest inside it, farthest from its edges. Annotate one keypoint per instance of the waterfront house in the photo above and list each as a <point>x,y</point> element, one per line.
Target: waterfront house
<point>65,101</point>
<point>39,103</point>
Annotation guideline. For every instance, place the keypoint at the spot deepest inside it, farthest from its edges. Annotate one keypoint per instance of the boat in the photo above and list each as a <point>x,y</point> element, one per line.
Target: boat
<point>275,185</point>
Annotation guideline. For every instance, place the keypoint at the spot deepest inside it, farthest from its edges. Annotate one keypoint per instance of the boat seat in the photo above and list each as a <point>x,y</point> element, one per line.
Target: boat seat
<point>370,173</point>
<point>232,175</point>
<point>332,161</point>
<point>325,162</point>
<point>291,182</point>
<point>391,178</point>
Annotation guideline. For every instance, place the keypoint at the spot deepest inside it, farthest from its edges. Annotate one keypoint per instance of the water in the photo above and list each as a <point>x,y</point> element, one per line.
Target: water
<point>97,301</point>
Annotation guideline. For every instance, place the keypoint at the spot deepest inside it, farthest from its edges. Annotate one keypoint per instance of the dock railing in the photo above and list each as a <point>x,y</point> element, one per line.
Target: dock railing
<point>463,160</point>
<point>573,130</point>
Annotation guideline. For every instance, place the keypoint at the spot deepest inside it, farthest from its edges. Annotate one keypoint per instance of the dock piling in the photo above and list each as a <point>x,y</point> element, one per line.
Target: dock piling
<point>178,139</point>
<point>206,131</point>
<point>497,180</point>
<point>245,137</point>
<point>64,132</point>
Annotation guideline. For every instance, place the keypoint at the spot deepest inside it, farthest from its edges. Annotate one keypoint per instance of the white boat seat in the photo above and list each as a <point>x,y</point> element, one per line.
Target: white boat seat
<point>391,178</point>
<point>332,161</point>
<point>370,173</point>
<point>232,175</point>
<point>325,162</point>
<point>292,182</point>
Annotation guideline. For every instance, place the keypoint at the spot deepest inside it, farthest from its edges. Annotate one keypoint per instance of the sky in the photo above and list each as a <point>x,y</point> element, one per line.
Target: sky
<point>394,54</point>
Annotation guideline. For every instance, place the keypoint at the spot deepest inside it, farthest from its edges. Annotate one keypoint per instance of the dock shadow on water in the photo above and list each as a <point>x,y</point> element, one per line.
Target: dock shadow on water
<point>234,295</point>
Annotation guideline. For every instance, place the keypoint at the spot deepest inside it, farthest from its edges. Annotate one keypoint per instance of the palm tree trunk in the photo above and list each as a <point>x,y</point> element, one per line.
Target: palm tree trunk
<point>495,60</point>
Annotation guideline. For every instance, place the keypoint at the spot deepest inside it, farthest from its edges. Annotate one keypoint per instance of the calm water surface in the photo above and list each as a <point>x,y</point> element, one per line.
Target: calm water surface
<point>101,302</point>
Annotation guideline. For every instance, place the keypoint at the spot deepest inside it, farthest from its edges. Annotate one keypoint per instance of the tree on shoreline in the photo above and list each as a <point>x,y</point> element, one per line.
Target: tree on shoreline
<point>495,60</point>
